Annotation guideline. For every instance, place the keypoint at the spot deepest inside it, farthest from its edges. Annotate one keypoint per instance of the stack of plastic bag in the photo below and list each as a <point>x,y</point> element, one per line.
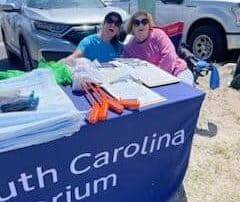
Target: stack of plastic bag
<point>55,117</point>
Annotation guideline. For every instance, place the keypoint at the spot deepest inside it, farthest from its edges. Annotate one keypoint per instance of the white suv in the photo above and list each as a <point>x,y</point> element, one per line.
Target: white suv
<point>32,29</point>
<point>210,26</point>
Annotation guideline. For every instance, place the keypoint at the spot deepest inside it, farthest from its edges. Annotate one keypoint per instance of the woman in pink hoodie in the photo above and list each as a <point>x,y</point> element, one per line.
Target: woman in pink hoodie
<point>153,45</point>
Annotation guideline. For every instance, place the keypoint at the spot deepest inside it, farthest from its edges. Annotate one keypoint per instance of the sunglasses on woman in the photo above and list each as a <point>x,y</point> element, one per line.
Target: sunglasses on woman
<point>115,22</point>
<point>137,22</point>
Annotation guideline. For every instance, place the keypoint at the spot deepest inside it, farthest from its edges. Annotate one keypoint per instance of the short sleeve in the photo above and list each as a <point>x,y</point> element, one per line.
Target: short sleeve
<point>84,44</point>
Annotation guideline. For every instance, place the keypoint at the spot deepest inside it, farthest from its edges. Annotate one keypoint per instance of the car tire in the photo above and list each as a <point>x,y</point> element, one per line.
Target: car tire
<point>11,56</point>
<point>208,43</point>
<point>26,58</point>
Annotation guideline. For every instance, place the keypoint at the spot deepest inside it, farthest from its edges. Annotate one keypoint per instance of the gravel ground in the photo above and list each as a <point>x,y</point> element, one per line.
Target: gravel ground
<point>214,169</point>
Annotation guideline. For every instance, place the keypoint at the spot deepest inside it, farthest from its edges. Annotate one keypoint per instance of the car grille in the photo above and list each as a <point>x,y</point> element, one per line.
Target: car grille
<point>75,36</point>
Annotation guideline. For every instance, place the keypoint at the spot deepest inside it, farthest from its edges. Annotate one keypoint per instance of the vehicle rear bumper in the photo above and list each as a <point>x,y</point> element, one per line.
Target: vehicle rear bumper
<point>233,41</point>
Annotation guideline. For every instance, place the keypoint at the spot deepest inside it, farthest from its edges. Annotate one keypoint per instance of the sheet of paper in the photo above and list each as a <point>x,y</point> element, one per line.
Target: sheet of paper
<point>112,74</point>
<point>129,89</point>
<point>153,76</point>
<point>149,74</point>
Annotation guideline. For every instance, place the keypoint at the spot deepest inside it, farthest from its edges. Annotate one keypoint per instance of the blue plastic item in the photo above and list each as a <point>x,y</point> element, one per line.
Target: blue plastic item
<point>28,103</point>
<point>203,66</point>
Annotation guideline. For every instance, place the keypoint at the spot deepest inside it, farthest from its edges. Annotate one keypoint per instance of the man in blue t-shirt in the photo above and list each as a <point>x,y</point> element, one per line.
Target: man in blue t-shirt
<point>103,46</point>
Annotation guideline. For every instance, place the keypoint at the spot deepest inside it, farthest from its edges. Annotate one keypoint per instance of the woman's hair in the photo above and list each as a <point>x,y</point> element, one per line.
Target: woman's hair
<point>134,16</point>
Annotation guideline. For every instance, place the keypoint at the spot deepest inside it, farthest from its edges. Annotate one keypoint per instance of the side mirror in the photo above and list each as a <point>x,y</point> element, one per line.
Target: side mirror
<point>9,7</point>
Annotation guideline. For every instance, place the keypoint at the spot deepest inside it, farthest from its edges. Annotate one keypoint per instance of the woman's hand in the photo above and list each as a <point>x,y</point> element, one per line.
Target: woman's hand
<point>70,60</point>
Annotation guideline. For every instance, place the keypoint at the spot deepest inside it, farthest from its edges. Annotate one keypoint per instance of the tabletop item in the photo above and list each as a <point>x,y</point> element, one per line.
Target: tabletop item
<point>94,112</point>
<point>54,116</point>
<point>130,89</point>
<point>10,73</point>
<point>101,102</point>
<point>140,70</point>
<point>22,103</point>
<point>61,72</point>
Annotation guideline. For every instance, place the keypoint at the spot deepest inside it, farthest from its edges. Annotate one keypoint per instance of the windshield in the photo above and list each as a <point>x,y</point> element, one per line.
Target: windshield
<point>55,4</point>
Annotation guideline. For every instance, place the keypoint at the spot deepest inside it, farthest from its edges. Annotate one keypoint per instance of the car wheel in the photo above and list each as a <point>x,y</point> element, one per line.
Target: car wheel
<point>207,43</point>
<point>11,56</point>
<point>26,58</point>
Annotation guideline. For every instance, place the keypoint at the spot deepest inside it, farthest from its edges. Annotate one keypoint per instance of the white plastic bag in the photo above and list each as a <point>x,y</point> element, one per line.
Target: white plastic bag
<point>85,71</point>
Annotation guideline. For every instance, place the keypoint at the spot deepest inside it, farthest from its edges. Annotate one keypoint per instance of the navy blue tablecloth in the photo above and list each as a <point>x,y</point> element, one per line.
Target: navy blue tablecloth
<point>135,157</point>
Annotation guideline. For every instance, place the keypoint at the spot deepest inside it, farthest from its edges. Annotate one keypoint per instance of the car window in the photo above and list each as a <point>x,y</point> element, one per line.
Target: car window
<point>55,4</point>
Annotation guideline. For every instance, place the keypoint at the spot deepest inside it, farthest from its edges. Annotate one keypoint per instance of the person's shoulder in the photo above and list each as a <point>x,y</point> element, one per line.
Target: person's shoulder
<point>157,31</point>
<point>91,37</point>
<point>158,34</point>
<point>88,41</point>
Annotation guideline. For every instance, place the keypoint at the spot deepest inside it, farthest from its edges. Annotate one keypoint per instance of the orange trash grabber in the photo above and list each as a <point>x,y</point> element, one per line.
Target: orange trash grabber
<point>113,103</point>
<point>103,113</point>
<point>93,115</point>
<point>103,110</point>
<point>132,104</point>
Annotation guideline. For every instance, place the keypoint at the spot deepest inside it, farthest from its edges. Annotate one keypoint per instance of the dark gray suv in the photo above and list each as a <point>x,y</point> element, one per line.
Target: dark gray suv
<point>32,29</point>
